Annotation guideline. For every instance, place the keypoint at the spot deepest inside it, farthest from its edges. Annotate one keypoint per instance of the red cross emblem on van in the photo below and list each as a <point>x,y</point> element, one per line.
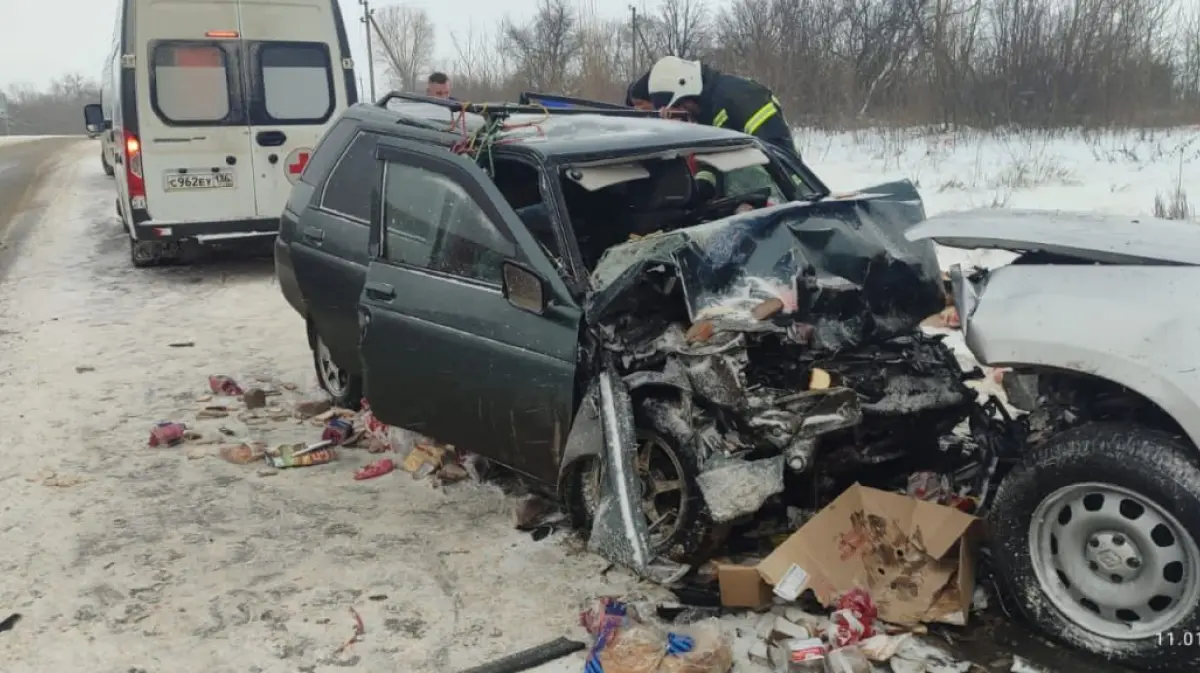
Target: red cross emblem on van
<point>296,161</point>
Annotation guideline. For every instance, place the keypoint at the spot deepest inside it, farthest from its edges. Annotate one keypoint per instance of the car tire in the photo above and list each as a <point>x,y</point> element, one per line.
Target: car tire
<point>694,536</point>
<point>344,388</point>
<point>1126,499</point>
<point>108,169</point>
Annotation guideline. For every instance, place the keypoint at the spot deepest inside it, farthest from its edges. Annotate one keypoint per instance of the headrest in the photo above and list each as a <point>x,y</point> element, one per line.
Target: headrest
<point>669,186</point>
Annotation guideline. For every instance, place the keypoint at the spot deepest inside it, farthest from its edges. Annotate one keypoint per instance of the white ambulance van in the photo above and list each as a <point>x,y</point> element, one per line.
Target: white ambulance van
<point>218,105</point>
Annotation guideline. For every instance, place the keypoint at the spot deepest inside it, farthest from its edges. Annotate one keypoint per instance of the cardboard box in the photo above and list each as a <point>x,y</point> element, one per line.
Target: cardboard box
<point>916,558</point>
<point>742,587</point>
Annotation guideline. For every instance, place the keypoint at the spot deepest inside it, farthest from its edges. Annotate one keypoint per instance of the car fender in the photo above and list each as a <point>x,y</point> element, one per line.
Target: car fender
<point>1136,326</point>
<point>586,438</point>
<point>604,428</point>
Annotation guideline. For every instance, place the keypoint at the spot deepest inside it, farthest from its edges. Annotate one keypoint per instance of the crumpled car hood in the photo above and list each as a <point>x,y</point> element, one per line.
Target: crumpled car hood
<point>1094,237</point>
<point>843,266</point>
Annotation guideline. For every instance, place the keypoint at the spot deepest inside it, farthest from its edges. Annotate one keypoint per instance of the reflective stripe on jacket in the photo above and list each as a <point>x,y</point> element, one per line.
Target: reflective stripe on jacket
<point>741,104</point>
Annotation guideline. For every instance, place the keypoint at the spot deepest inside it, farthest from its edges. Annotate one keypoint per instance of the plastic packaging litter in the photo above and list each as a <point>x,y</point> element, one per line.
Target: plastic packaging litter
<point>697,648</point>
<point>299,455</point>
<point>338,431</point>
<point>166,433</point>
<point>854,620</point>
<point>929,486</point>
<point>224,385</point>
<point>847,660</point>
<point>806,656</point>
<point>383,437</point>
<point>635,649</point>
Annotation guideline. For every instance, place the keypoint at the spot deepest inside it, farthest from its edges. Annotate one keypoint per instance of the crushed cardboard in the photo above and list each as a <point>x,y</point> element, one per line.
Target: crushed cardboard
<point>742,587</point>
<point>916,558</point>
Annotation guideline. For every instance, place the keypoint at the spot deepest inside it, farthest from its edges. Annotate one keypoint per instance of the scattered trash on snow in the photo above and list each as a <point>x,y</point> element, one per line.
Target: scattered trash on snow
<point>308,408</point>
<point>897,548</point>
<point>359,631</point>
<point>224,385</point>
<point>338,430</point>
<point>299,455</point>
<point>182,344</point>
<point>254,398</point>
<point>212,411</point>
<point>83,369</point>
<point>375,469</point>
<point>241,454</point>
<point>167,433</point>
<point>626,642</point>
<point>849,659</point>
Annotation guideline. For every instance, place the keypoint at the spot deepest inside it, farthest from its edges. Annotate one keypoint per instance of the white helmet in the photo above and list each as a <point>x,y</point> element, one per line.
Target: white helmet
<point>676,77</point>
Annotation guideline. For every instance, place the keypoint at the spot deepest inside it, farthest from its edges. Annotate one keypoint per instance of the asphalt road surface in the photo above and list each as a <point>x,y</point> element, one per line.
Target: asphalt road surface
<point>24,165</point>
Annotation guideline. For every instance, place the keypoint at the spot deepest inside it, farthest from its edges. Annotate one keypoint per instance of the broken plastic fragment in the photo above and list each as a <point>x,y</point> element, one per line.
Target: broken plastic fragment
<point>224,385</point>
<point>700,332</point>
<point>819,380</point>
<point>767,308</point>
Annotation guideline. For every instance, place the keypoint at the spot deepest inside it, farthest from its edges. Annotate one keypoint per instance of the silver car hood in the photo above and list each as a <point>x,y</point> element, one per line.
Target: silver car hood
<point>1107,239</point>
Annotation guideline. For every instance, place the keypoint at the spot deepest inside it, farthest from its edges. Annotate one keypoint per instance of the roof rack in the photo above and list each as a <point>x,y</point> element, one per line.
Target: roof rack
<point>556,101</point>
<point>500,110</point>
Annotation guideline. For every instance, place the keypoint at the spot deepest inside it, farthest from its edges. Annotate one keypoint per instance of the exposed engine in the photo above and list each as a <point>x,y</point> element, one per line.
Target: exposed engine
<point>781,334</point>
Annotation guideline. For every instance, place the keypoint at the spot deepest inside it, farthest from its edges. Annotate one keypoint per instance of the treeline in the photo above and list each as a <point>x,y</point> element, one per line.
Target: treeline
<point>834,63</point>
<point>57,109</point>
<point>837,63</point>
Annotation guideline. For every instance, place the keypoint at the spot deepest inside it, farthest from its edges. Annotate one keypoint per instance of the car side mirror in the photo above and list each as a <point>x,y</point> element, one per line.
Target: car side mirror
<point>524,288</point>
<point>93,117</point>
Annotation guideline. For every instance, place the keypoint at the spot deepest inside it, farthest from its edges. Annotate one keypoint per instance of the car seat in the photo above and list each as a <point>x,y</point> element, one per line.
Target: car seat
<point>661,200</point>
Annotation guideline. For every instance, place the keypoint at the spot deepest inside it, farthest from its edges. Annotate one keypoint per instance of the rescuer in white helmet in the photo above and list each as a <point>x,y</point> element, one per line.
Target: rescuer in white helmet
<point>714,98</point>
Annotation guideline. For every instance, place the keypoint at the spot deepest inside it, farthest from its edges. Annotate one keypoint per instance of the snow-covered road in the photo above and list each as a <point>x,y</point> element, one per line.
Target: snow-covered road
<point>125,558</point>
<point>171,560</point>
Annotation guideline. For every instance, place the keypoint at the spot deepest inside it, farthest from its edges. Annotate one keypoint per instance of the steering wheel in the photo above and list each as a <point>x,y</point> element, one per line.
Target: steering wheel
<point>727,205</point>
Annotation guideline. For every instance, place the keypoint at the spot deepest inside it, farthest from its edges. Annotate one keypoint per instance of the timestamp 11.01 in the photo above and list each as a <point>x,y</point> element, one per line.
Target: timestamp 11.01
<point>1179,638</point>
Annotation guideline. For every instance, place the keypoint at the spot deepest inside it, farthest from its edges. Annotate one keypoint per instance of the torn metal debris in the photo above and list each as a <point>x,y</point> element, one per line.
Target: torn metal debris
<point>783,341</point>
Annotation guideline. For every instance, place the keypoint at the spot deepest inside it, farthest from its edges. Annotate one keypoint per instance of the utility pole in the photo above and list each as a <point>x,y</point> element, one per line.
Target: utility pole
<point>367,20</point>
<point>633,39</point>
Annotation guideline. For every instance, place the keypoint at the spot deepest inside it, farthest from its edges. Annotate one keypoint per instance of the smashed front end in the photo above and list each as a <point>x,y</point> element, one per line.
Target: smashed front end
<point>780,343</point>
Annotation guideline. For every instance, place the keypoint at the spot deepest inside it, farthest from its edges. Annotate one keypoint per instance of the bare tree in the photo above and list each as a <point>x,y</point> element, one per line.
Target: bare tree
<point>56,109</point>
<point>405,44</point>
<point>544,50</point>
<point>674,27</point>
<point>831,62</point>
<point>478,68</point>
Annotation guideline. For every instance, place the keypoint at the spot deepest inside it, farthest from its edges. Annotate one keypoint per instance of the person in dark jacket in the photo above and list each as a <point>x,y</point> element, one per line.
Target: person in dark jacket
<point>714,98</point>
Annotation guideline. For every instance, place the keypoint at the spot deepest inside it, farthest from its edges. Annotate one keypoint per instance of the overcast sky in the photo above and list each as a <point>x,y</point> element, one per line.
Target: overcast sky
<point>81,30</point>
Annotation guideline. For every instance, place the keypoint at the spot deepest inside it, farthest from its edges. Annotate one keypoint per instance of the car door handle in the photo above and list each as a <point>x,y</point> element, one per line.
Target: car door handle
<point>314,235</point>
<point>271,138</point>
<point>380,291</point>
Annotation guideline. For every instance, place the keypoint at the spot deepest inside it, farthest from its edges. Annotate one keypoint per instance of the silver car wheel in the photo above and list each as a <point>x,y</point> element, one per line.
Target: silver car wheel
<point>1114,562</point>
<point>333,379</point>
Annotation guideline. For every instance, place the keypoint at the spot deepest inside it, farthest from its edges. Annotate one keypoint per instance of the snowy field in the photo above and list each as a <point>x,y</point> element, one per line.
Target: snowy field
<point>1114,172</point>
<point>125,558</point>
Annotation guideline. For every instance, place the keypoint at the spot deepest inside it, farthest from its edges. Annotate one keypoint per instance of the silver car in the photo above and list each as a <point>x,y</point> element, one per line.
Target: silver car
<point>1095,525</point>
